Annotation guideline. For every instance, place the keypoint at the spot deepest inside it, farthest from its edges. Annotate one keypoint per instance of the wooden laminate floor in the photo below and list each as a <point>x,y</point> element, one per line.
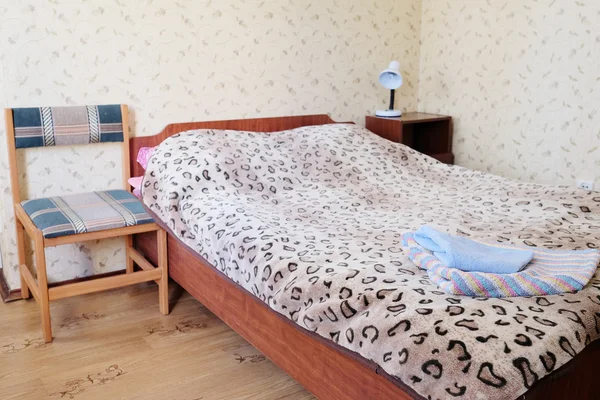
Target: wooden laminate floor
<point>116,345</point>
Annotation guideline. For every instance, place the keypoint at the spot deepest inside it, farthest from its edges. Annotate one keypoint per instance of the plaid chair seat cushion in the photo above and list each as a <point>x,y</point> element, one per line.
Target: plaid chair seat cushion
<point>86,212</point>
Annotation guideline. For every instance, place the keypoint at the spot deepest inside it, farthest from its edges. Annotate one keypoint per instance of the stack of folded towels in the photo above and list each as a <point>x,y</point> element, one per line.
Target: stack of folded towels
<point>461,266</point>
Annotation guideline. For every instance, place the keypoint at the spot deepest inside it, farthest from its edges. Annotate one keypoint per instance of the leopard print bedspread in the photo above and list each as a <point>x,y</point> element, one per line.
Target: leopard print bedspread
<point>310,221</point>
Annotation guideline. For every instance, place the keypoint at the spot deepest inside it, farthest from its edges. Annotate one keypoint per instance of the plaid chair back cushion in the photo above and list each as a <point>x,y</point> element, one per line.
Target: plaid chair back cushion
<point>58,126</point>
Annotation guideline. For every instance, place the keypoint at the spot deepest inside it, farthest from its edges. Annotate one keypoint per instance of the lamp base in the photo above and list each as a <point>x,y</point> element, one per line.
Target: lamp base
<point>388,113</point>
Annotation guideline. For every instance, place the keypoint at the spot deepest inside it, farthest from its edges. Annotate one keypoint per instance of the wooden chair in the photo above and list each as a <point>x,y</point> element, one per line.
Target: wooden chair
<point>56,221</point>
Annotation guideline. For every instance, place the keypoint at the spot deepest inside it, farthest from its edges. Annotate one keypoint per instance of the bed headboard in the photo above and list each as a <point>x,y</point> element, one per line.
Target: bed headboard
<point>253,125</point>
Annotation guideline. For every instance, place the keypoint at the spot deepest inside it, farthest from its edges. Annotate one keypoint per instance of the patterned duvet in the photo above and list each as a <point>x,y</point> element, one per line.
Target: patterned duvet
<point>310,221</point>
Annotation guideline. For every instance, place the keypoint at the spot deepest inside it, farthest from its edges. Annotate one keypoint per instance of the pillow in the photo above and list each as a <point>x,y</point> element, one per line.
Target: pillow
<point>144,155</point>
<point>143,158</point>
<point>136,183</point>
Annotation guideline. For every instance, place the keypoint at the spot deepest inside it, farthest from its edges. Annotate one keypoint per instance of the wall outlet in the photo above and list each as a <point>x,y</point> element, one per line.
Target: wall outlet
<point>585,184</point>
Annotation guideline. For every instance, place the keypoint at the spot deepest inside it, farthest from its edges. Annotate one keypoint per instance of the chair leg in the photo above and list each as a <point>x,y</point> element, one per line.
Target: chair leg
<point>128,261</point>
<point>42,278</point>
<point>163,286</point>
<point>21,252</point>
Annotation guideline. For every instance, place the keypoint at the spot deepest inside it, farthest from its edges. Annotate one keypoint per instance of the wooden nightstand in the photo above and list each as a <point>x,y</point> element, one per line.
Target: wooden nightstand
<point>430,134</point>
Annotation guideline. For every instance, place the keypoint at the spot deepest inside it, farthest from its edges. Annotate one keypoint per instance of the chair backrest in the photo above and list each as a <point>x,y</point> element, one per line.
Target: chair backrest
<point>65,126</point>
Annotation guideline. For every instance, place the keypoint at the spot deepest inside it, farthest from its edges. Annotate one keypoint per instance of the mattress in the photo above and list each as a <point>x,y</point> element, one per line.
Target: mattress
<point>310,222</point>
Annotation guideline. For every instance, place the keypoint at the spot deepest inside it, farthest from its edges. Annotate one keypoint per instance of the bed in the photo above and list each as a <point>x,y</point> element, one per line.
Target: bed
<point>349,362</point>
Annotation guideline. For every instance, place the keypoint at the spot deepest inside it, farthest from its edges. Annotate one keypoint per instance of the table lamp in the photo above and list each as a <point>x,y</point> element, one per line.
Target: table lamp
<point>391,79</point>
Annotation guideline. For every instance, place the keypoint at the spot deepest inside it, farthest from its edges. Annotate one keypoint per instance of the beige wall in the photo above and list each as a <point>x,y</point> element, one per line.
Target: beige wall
<point>183,61</point>
<point>522,80</point>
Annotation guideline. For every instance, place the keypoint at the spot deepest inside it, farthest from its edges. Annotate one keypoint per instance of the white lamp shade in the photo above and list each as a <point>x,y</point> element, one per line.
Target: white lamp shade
<point>391,78</point>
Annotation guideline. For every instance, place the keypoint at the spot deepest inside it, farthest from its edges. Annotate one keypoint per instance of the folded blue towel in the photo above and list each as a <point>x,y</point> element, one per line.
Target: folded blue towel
<point>467,255</point>
<point>550,272</point>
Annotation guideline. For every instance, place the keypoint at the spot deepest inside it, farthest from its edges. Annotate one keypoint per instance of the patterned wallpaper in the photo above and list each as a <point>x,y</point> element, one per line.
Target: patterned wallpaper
<point>521,79</point>
<point>182,61</point>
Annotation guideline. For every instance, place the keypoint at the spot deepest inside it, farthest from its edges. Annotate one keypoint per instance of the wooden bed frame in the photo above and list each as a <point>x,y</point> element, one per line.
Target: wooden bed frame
<point>324,368</point>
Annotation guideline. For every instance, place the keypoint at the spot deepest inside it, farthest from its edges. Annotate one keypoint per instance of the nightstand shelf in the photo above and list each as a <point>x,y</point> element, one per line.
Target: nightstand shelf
<point>429,134</point>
